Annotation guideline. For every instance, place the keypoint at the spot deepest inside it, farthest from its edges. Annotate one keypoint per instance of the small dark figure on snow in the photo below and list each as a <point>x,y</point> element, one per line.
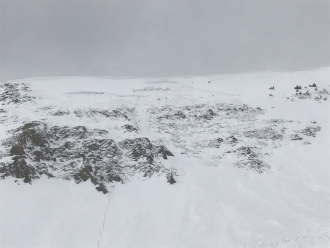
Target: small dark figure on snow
<point>209,82</point>
<point>271,95</point>
<point>170,178</point>
<point>272,88</point>
<point>297,87</point>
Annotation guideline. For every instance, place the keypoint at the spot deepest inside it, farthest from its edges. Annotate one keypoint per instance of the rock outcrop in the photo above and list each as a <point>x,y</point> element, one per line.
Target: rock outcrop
<point>76,153</point>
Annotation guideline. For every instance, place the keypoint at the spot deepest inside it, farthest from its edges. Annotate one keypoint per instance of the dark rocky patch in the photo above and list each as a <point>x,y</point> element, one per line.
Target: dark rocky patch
<point>60,112</point>
<point>216,143</point>
<point>18,168</point>
<point>138,148</point>
<point>144,153</point>
<point>62,149</point>
<point>124,113</point>
<point>163,151</point>
<point>207,115</point>
<point>76,153</point>
<point>232,140</point>
<point>17,150</point>
<point>310,131</point>
<point>247,152</point>
<point>173,115</point>
<point>264,133</point>
<point>170,178</point>
<point>15,93</point>
<point>295,137</point>
<point>253,164</point>
<point>130,128</point>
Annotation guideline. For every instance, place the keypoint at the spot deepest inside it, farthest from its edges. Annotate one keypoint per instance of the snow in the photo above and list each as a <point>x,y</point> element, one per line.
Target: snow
<point>209,206</point>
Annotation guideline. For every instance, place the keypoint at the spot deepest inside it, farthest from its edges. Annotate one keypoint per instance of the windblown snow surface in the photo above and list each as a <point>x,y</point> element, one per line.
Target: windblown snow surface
<point>88,162</point>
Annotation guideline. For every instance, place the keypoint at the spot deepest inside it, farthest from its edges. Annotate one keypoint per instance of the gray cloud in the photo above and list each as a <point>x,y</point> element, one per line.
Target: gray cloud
<point>161,38</point>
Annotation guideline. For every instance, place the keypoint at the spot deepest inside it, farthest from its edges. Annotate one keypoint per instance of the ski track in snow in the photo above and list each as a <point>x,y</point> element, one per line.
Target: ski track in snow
<point>104,220</point>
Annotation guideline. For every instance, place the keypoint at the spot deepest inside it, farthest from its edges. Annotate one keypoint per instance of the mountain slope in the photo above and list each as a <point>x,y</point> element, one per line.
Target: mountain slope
<point>250,164</point>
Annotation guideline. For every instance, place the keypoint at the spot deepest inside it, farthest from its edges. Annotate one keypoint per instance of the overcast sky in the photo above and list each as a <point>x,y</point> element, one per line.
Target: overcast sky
<point>161,38</point>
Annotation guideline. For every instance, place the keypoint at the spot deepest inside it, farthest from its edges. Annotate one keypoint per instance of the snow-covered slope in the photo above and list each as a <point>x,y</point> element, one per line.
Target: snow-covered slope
<point>219,161</point>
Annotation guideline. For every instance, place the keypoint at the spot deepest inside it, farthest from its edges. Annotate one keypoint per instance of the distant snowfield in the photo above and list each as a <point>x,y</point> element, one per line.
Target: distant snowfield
<point>209,206</point>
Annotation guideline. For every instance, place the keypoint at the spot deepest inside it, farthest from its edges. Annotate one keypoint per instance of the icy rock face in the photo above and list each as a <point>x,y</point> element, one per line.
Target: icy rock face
<point>76,153</point>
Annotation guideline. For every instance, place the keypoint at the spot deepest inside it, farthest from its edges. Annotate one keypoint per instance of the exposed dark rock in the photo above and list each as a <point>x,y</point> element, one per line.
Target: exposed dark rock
<point>173,115</point>
<point>142,148</point>
<point>253,164</point>
<point>17,150</point>
<point>144,153</point>
<point>179,114</point>
<point>99,132</point>
<point>37,156</point>
<point>148,169</point>
<point>18,168</point>
<point>310,131</point>
<point>78,153</point>
<point>78,113</point>
<point>264,133</point>
<point>102,188</point>
<point>61,112</point>
<point>130,128</point>
<point>83,174</point>
<point>246,152</point>
<point>216,143</point>
<point>138,148</point>
<point>124,113</point>
<point>16,93</point>
<point>295,137</point>
<point>232,140</point>
<point>163,151</point>
<point>170,173</point>
<point>62,148</point>
<point>170,178</point>
<point>208,115</point>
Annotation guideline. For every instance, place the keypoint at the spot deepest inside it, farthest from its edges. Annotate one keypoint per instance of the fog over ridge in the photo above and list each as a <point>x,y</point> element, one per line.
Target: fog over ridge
<point>161,38</point>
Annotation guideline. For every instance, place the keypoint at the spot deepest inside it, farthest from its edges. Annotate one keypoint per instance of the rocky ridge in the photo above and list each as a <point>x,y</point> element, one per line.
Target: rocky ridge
<point>223,133</point>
